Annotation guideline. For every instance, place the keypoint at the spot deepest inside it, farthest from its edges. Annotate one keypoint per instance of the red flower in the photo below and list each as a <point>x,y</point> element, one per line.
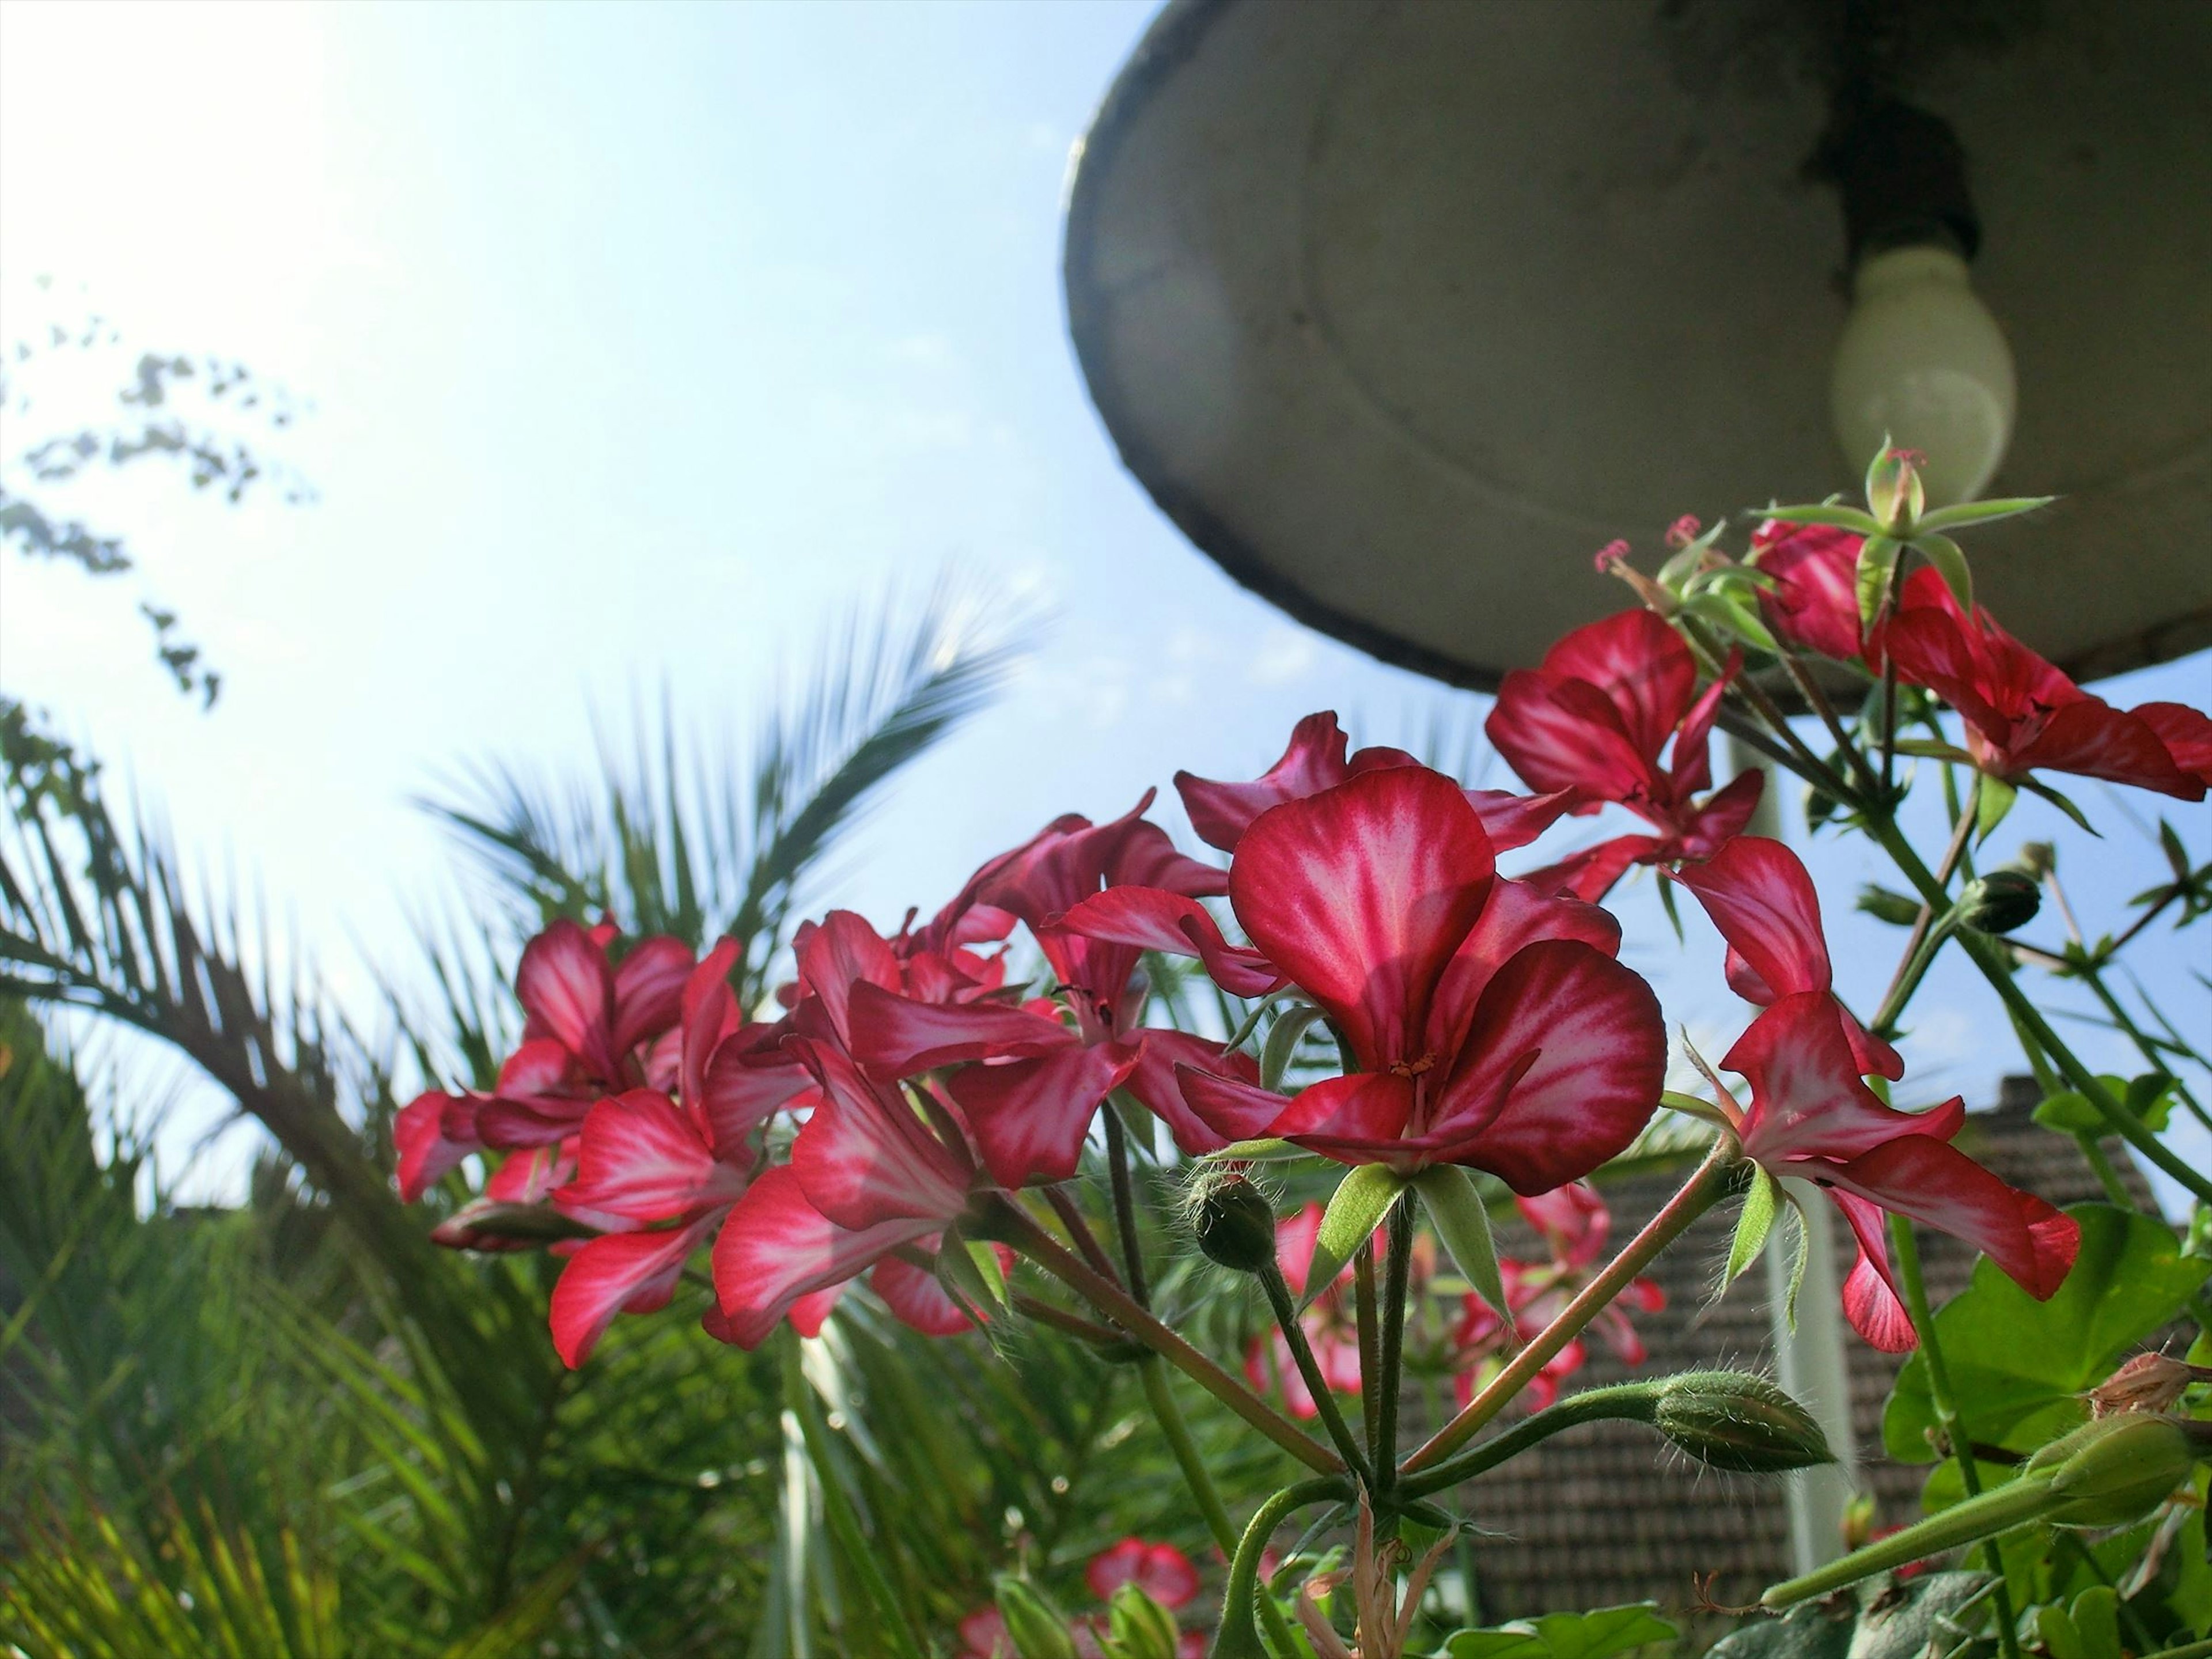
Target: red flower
<point>1812,1114</point>
<point>1030,1081</point>
<point>1595,718</point>
<point>1488,1025</point>
<point>2023,716</point>
<point>1315,759</point>
<point>1161,1571</point>
<point>1814,601</point>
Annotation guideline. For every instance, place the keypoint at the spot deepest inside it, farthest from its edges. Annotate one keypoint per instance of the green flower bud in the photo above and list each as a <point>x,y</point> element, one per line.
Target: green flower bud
<point>2001,901</point>
<point>1733,1420</point>
<point>1033,1625</point>
<point>1138,1627</point>
<point>2115,1470</point>
<point>1235,1224</point>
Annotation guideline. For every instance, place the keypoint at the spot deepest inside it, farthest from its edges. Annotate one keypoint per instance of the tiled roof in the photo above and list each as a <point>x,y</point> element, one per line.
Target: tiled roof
<point>1608,1514</point>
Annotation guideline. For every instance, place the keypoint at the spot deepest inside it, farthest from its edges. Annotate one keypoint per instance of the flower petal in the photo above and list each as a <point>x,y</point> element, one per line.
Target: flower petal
<point>866,1156</point>
<point>1642,667</point>
<point>1808,1098</point>
<point>648,995</point>
<point>1813,602</point>
<point>1574,1043</point>
<point>1359,1118</point>
<point>1221,812</point>
<point>2092,739</point>
<point>1156,1088</point>
<point>894,1036</point>
<point>1515,914</point>
<point>1361,894</point>
<point>419,1141</point>
<point>1233,1108</point>
<point>1030,1116</point>
<point>1934,1182</point>
<point>1872,1301</point>
<point>633,1273</point>
<point>1152,919</point>
<point>1590,874</point>
<point>836,957</point>
<point>776,1249</point>
<point>642,1157</point>
<point>1761,898</point>
<point>567,991</point>
<point>1512,820</point>
<point>2186,734</point>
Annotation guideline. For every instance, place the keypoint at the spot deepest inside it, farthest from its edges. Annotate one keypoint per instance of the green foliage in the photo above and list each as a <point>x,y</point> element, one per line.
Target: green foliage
<point>2018,1367</point>
<point>1936,1614</point>
<point>1598,1634</point>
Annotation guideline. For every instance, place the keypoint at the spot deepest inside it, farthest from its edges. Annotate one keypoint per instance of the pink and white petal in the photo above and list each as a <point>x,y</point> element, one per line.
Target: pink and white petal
<point>531,1176</point>
<point>1815,600</point>
<point>1512,820</point>
<point>1296,1235</point>
<point>2186,733</point>
<point>422,1149</point>
<point>1515,914</point>
<point>2092,739</point>
<point>777,1248</point>
<point>1808,1098</point>
<point>921,1302</point>
<point>1359,1118</point>
<point>1559,736</point>
<point>1156,1088</point>
<point>1315,761</point>
<point>622,1272</point>
<point>1230,1107</point>
<point>811,1312</point>
<point>739,1094</point>
<point>1932,650</point>
<point>1152,919</point>
<point>1934,1183</point>
<point>538,1122</point>
<point>1029,1117</point>
<point>1761,898</point>
<point>1641,665</point>
<point>1146,858</point>
<point>839,956</point>
<point>1562,1066</point>
<point>894,1036</point>
<point>540,1066</point>
<point>1872,1300</point>
<point>1725,812</point>
<point>649,990</point>
<point>641,1157</point>
<point>867,1157</point>
<point>1361,894</point>
<point>567,989</point>
<point>1590,874</point>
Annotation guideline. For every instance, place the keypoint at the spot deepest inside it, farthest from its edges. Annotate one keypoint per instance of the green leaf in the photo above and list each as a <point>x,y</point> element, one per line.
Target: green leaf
<point>1762,1202</point>
<point>1594,1635</point>
<point>1950,564</point>
<point>1971,512</point>
<point>1354,1213</point>
<point>1877,559</point>
<point>1879,1618</point>
<point>1993,800</point>
<point>2019,1366</point>
<point>1462,1222</point>
<point>1828,513</point>
<point>2070,1112</point>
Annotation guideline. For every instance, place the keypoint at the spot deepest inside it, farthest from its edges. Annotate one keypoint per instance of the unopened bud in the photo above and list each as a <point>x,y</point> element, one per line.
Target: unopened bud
<point>1733,1420</point>
<point>2001,901</point>
<point>1235,1223</point>
<point>2116,1470</point>
<point>1033,1625</point>
<point>1138,1627</point>
<point>2149,1382</point>
<point>1895,492</point>
<point>2038,858</point>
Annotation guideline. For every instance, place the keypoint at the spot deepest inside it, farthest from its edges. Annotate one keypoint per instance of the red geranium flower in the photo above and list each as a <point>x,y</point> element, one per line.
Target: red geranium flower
<point>1813,602</point>
<point>1595,718</point>
<point>1812,1114</point>
<point>1489,1024</point>
<point>1161,1571</point>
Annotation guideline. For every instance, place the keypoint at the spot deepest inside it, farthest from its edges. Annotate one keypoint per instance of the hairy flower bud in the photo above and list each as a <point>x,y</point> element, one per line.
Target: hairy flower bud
<point>2149,1382</point>
<point>1033,1625</point>
<point>2001,901</point>
<point>1733,1420</point>
<point>2115,1470</point>
<point>1235,1223</point>
<point>1138,1627</point>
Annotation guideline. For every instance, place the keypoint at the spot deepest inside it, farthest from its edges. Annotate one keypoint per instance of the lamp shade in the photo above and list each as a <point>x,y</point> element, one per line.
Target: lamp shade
<point>1400,311</point>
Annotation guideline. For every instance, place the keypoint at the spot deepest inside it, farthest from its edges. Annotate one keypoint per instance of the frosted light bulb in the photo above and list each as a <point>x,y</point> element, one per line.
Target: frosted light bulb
<point>1923,363</point>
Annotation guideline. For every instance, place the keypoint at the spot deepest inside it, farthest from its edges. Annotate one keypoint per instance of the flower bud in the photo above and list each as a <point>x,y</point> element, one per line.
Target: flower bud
<point>2149,1382</point>
<point>1138,1627</point>
<point>1235,1224</point>
<point>1733,1420</point>
<point>1033,1625</point>
<point>2001,901</point>
<point>2038,858</point>
<point>2115,1470</point>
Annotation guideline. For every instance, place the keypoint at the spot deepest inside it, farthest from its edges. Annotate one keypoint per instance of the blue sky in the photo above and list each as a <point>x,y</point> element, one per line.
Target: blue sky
<point>641,339</point>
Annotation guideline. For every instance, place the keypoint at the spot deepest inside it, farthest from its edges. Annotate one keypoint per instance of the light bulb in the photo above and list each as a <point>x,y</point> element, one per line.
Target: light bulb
<point>1923,364</point>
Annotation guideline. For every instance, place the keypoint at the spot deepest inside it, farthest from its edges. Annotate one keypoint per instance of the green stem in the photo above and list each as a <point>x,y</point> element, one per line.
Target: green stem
<point>1396,1275</point>
<point>2107,1176</point>
<point>1962,1523</point>
<point>1990,956</point>
<point>1159,1393</point>
<point>2092,975</point>
<point>1237,1639</point>
<point>1018,1228</point>
<point>1294,1334</point>
<point>1697,1194</point>
<point>1928,932</point>
<point>1125,1206</point>
<point>1370,1339</point>
<point>1628,1401</point>
<point>1905,1246</point>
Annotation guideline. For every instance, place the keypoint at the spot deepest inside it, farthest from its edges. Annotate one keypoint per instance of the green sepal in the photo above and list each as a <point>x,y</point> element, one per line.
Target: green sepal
<point>1828,513</point>
<point>1462,1223</point>
<point>970,1273</point>
<point>1993,800</point>
<point>1802,1239</point>
<point>1282,1043</point>
<point>2036,786</point>
<point>1693,1106</point>
<point>1355,1211</point>
<point>1971,513</point>
<point>1731,617</point>
<point>1267,1149</point>
<point>1932,748</point>
<point>1950,562</point>
<point>1674,912</point>
<point>1762,1202</point>
<point>1877,562</point>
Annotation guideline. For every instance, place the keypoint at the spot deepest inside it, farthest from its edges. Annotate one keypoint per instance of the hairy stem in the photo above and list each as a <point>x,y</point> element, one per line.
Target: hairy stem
<point>1125,1205</point>
<point>1237,1638</point>
<point>1301,1354</point>
<point>1631,1401</point>
<point>1386,1384</point>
